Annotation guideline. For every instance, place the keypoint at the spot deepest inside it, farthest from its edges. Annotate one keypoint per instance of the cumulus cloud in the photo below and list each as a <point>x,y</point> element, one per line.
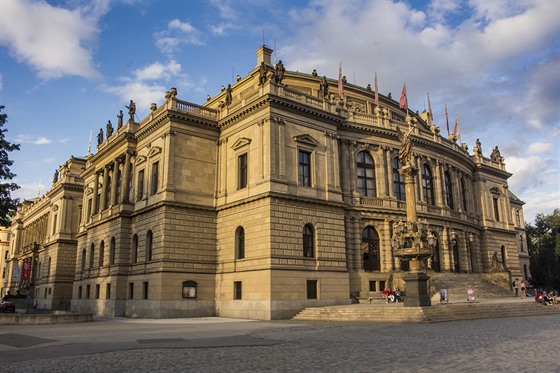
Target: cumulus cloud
<point>30,139</point>
<point>148,84</point>
<point>177,33</point>
<point>53,40</point>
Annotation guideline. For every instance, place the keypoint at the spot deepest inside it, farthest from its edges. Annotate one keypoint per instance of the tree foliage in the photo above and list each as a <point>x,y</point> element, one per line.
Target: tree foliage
<point>544,250</point>
<point>7,203</point>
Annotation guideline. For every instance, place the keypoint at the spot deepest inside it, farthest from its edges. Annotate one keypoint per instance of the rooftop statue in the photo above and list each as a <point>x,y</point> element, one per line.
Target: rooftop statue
<point>228,94</point>
<point>496,156</point>
<point>109,129</point>
<point>100,137</point>
<point>131,110</point>
<point>279,72</point>
<point>119,119</point>
<point>323,91</point>
<point>477,148</point>
<point>262,73</point>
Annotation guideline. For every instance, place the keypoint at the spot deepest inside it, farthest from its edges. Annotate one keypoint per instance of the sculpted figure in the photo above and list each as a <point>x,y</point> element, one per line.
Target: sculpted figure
<point>477,148</point>
<point>496,156</point>
<point>323,88</point>
<point>262,73</point>
<point>228,94</point>
<point>109,129</point>
<point>55,177</point>
<point>131,110</point>
<point>314,73</point>
<point>406,150</point>
<point>153,106</point>
<point>279,72</point>
<point>100,137</point>
<point>119,119</point>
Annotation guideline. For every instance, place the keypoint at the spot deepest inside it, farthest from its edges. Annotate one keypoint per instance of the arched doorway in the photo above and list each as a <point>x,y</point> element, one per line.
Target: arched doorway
<point>370,249</point>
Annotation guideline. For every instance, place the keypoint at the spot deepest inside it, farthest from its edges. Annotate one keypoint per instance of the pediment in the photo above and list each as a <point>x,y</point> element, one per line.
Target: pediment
<point>306,139</point>
<point>241,142</point>
<point>154,151</point>
<point>140,159</point>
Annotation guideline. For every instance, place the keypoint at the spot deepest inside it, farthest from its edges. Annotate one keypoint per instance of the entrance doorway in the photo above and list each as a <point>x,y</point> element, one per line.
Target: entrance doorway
<point>370,249</point>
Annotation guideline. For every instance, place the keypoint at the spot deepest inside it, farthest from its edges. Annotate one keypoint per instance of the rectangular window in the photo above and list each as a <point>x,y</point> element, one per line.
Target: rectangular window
<point>304,168</point>
<point>372,286</point>
<point>237,290</point>
<point>130,290</point>
<point>45,295</point>
<point>89,204</point>
<point>311,289</point>
<point>87,291</point>
<point>381,285</point>
<point>140,189</point>
<point>54,224</point>
<point>145,290</point>
<point>155,177</point>
<point>496,210</point>
<point>119,186</point>
<point>108,291</point>
<point>96,291</point>
<point>80,292</point>
<point>242,171</point>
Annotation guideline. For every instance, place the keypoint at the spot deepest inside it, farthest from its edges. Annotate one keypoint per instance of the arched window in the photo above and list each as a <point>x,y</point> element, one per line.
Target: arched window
<point>112,251</point>
<point>370,249</point>
<point>365,172</point>
<point>149,245</point>
<point>91,255</point>
<point>463,195</point>
<point>101,253</point>
<point>239,243</point>
<point>427,184</point>
<point>83,260</point>
<point>308,241</point>
<point>398,180</point>
<point>134,249</point>
<point>448,190</point>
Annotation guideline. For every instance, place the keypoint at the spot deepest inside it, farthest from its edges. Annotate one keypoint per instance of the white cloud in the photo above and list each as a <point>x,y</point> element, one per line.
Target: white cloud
<point>30,139</point>
<point>223,28</point>
<point>539,147</point>
<point>225,8</point>
<point>149,84</point>
<point>177,33</point>
<point>52,40</point>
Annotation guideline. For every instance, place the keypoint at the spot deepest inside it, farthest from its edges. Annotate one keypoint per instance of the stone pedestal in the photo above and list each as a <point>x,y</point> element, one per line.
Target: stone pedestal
<point>416,290</point>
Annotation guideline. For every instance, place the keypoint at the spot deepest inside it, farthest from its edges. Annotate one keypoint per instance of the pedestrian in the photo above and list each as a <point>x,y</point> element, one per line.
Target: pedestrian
<point>516,287</point>
<point>523,288</point>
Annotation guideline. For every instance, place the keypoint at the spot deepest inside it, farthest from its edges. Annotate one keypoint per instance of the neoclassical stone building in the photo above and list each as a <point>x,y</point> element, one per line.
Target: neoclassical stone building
<point>275,195</point>
<point>41,260</point>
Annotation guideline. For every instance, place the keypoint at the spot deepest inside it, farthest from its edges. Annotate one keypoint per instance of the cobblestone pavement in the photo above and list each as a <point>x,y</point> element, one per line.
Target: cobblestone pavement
<point>488,345</point>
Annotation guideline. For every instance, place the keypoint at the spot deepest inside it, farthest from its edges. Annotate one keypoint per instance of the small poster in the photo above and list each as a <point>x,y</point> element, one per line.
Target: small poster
<point>471,295</point>
<point>15,273</point>
<point>443,296</point>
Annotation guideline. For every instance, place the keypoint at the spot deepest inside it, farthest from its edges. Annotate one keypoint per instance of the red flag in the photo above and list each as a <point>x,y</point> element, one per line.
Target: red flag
<point>403,103</point>
<point>456,129</point>
<point>376,91</point>
<point>430,116</point>
<point>340,87</point>
<point>447,119</point>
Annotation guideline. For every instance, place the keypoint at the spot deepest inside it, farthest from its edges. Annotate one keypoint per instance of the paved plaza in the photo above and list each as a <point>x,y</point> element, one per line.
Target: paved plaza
<point>517,344</point>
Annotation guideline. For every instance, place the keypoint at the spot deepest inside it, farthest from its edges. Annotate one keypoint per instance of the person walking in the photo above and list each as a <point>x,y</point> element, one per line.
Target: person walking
<point>516,287</point>
<point>523,287</point>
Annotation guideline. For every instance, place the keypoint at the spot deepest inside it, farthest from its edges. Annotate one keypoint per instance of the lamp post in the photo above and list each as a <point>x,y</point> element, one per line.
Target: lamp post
<point>412,240</point>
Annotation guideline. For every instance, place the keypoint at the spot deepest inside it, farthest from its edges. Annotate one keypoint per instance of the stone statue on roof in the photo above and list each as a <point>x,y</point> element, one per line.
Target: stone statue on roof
<point>109,129</point>
<point>262,73</point>
<point>323,91</point>
<point>119,119</point>
<point>100,137</point>
<point>496,156</point>
<point>279,72</point>
<point>131,110</point>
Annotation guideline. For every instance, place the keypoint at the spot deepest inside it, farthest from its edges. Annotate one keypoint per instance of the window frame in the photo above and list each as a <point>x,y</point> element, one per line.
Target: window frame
<point>428,184</point>
<point>305,169</point>
<point>365,163</point>
<point>242,171</point>
<point>239,243</point>
<point>154,181</point>
<point>399,188</point>
<point>308,236</point>
<point>448,190</point>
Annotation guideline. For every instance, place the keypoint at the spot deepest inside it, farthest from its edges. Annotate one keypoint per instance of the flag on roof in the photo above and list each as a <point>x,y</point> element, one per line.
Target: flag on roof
<point>403,103</point>
<point>430,115</point>
<point>340,86</point>
<point>456,129</point>
<point>376,90</point>
<point>447,119</point>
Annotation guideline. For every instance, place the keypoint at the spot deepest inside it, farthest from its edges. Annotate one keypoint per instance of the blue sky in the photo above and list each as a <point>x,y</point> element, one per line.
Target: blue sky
<point>67,67</point>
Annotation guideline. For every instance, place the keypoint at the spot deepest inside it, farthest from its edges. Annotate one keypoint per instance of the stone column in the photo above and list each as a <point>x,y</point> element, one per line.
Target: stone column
<point>103,204</point>
<point>389,173</point>
<point>126,179</point>
<point>114,182</point>
<point>387,265</point>
<point>95,193</point>
<point>357,245</point>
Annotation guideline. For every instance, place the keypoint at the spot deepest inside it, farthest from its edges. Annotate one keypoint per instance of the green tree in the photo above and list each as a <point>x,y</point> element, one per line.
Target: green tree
<point>544,250</point>
<point>7,203</point>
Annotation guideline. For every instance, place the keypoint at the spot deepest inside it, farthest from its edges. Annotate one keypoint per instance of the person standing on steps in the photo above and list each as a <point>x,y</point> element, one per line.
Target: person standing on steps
<point>523,287</point>
<point>516,287</point>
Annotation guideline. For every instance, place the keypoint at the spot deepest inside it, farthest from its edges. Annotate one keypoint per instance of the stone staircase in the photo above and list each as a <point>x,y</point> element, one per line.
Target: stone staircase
<point>458,283</point>
<point>397,313</point>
